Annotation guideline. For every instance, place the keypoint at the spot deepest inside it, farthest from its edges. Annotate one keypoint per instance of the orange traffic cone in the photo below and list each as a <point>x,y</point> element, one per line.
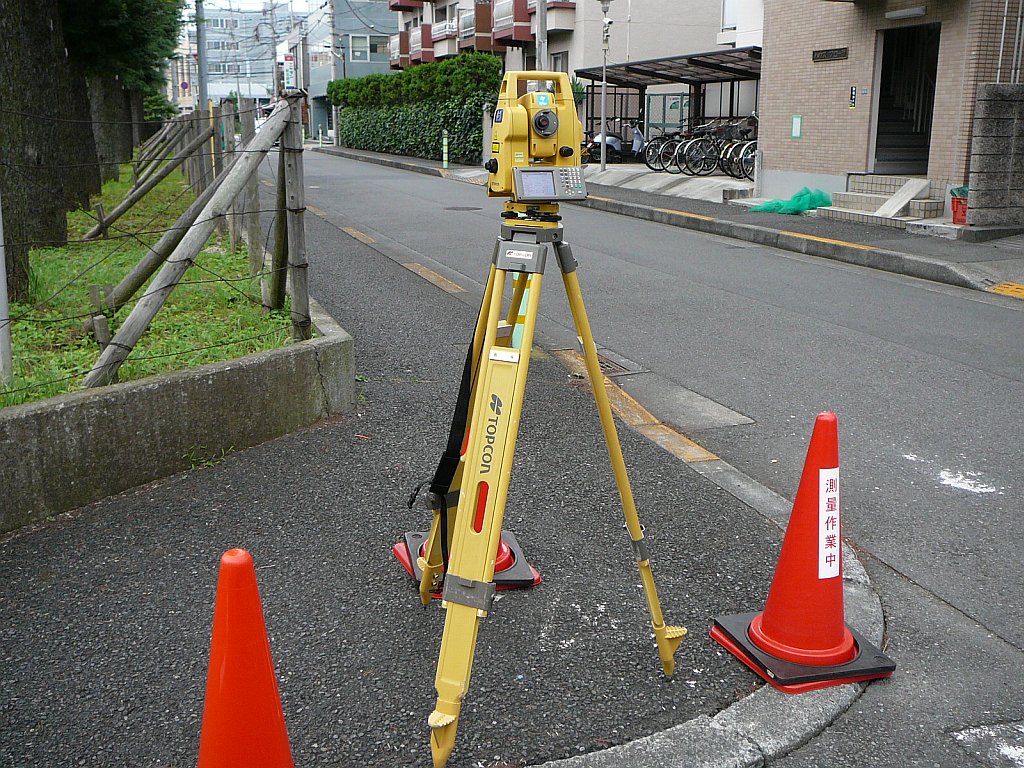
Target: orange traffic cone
<point>243,723</point>
<point>799,642</point>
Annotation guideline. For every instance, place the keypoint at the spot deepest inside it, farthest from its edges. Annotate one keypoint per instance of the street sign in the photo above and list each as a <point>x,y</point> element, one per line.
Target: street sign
<point>184,85</point>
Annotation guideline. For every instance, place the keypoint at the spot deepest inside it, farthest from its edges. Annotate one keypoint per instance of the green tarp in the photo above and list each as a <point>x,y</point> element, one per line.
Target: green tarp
<point>802,201</point>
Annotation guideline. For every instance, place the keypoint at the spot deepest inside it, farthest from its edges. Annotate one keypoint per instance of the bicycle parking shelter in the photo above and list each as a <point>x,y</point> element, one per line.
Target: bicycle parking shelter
<point>730,76</point>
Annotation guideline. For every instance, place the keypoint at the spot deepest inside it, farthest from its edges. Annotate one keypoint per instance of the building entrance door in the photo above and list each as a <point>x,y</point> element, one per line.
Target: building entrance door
<point>906,96</point>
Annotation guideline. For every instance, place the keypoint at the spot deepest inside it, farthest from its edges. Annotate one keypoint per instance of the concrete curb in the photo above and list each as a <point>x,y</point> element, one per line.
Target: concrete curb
<point>851,253</point>
<point>74,449</point>
<point>762,727</point>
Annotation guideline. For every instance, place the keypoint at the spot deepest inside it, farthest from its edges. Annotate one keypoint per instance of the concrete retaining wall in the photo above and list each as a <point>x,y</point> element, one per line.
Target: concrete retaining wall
<point>71,450</point>
<point>997,157</point>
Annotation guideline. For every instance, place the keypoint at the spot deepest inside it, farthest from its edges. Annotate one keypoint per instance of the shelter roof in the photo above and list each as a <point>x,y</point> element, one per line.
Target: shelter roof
<point>722,66</point>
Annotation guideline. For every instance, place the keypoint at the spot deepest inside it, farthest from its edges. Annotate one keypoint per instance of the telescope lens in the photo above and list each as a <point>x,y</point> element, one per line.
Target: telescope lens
<point>545,123</point>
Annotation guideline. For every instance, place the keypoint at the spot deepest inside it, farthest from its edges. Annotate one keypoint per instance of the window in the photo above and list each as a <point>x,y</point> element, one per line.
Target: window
<point>560,62</point>
<point>369,48</point>
<point>221,45</point>
<point>730,13</point>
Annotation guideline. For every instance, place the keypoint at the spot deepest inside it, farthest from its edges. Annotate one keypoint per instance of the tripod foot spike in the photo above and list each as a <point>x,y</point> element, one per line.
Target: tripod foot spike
<point>443,727</point>
<point>668,639</point>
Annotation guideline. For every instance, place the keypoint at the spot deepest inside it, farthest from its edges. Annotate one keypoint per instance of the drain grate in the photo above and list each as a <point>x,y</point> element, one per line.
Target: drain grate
<point>610,367</point>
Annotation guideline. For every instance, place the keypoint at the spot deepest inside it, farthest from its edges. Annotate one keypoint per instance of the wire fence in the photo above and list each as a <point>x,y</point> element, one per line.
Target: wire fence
<point>217,314</point>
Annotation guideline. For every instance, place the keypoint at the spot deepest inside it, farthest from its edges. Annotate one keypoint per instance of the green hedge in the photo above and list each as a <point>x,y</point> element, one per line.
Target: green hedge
<point>456,78</point>
<point>405,112</point>
<point>416,129</point>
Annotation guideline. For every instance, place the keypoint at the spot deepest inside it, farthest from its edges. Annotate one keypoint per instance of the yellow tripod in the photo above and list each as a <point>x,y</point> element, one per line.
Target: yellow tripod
<point>482,478</point>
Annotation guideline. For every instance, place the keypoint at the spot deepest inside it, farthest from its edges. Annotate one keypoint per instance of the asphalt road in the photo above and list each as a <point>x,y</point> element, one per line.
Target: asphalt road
<point>105,614</point>
<point>925,378</point>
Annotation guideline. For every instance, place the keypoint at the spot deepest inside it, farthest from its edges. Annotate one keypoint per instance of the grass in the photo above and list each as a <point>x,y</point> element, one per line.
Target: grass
<point>215,314</point>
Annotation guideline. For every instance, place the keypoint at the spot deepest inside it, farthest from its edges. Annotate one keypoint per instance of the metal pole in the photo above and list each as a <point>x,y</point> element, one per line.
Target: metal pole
<point>334,71</point>
<point>542,35</point>
<point>6,363</point>
<point>605,33</point>
<point>604,103</point>
<point>202,72</point>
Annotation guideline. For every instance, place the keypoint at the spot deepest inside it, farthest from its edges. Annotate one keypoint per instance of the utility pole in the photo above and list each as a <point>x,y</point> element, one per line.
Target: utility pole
<point>273,48</point>
<point>201,73</point>
<point>332,9</point>
<point>6,364</point>
<point>542,35</point>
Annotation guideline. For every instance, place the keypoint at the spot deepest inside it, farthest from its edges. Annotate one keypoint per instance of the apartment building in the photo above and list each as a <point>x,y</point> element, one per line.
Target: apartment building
<point>640,31</point>
<point>879,88</point>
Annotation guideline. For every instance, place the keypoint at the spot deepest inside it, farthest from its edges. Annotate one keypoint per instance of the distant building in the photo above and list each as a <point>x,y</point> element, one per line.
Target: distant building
<point>362,30</point>
<point>239,54</point>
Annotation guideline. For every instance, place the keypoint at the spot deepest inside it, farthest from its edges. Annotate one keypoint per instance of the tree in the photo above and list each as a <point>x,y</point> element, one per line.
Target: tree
<point>122,46</point>
<point>34,79</point>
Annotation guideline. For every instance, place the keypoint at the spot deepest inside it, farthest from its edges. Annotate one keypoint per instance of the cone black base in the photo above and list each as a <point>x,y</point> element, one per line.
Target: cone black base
<point>869,663</point>
<point>517,576</point>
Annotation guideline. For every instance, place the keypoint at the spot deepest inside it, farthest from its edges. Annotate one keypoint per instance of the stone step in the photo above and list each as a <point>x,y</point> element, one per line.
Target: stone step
<point>862,217</point>
<point>876,183</point>
<point>858,201</point>
<point>920,208</point>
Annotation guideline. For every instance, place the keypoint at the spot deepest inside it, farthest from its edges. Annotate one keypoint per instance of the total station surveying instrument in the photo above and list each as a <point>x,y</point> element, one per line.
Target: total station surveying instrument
<point>536,163</point>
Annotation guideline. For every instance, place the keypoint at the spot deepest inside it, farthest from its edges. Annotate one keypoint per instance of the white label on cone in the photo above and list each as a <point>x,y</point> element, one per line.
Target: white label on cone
<point>830,553</point>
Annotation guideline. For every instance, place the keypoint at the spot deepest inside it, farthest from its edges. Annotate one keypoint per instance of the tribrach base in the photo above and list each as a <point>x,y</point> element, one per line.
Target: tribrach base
<point>519,575</point>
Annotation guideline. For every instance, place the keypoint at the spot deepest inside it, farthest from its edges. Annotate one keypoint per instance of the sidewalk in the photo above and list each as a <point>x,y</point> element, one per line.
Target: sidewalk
<point>994,265</point>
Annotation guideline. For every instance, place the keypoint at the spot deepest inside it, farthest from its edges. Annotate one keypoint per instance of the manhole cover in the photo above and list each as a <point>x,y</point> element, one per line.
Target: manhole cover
<point>463,208</point>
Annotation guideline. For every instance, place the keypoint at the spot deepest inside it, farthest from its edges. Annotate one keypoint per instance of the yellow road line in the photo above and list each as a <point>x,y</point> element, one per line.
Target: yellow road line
<point>430,275</point>
<point>638,417</point>
<point>360,236</point>
<point>314,209</point>
<point>1009,289</point>
<point>828,240</point>
<point>686,214</point>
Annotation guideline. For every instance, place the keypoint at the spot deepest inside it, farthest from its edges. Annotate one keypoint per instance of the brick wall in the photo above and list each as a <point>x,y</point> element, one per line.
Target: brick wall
<point>997,157</point>
<point>837,140</point>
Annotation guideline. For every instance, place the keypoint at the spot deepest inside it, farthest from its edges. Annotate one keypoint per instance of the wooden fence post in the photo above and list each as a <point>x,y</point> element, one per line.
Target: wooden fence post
<point>122,293</point>
<point>137,194</point>
<point>253,233</point>
<point>291,149</point>
<point>203,153</point>
<point>227,121</point>
<point>188,249</point>
<point>279,256</point>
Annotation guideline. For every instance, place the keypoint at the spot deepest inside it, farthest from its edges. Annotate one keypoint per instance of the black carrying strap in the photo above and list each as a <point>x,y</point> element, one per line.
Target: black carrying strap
<point>445,472</point>
<point>441,483</point>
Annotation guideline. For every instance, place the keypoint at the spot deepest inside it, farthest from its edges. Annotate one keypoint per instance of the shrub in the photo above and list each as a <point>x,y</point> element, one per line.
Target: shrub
<point>405,113</point>
<point>416,129</point>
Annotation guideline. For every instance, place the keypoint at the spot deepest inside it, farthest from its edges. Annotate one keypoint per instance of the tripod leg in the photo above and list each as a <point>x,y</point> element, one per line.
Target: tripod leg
<point>431,563</point>
<point>667,637</point>
<point>469,587</point>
